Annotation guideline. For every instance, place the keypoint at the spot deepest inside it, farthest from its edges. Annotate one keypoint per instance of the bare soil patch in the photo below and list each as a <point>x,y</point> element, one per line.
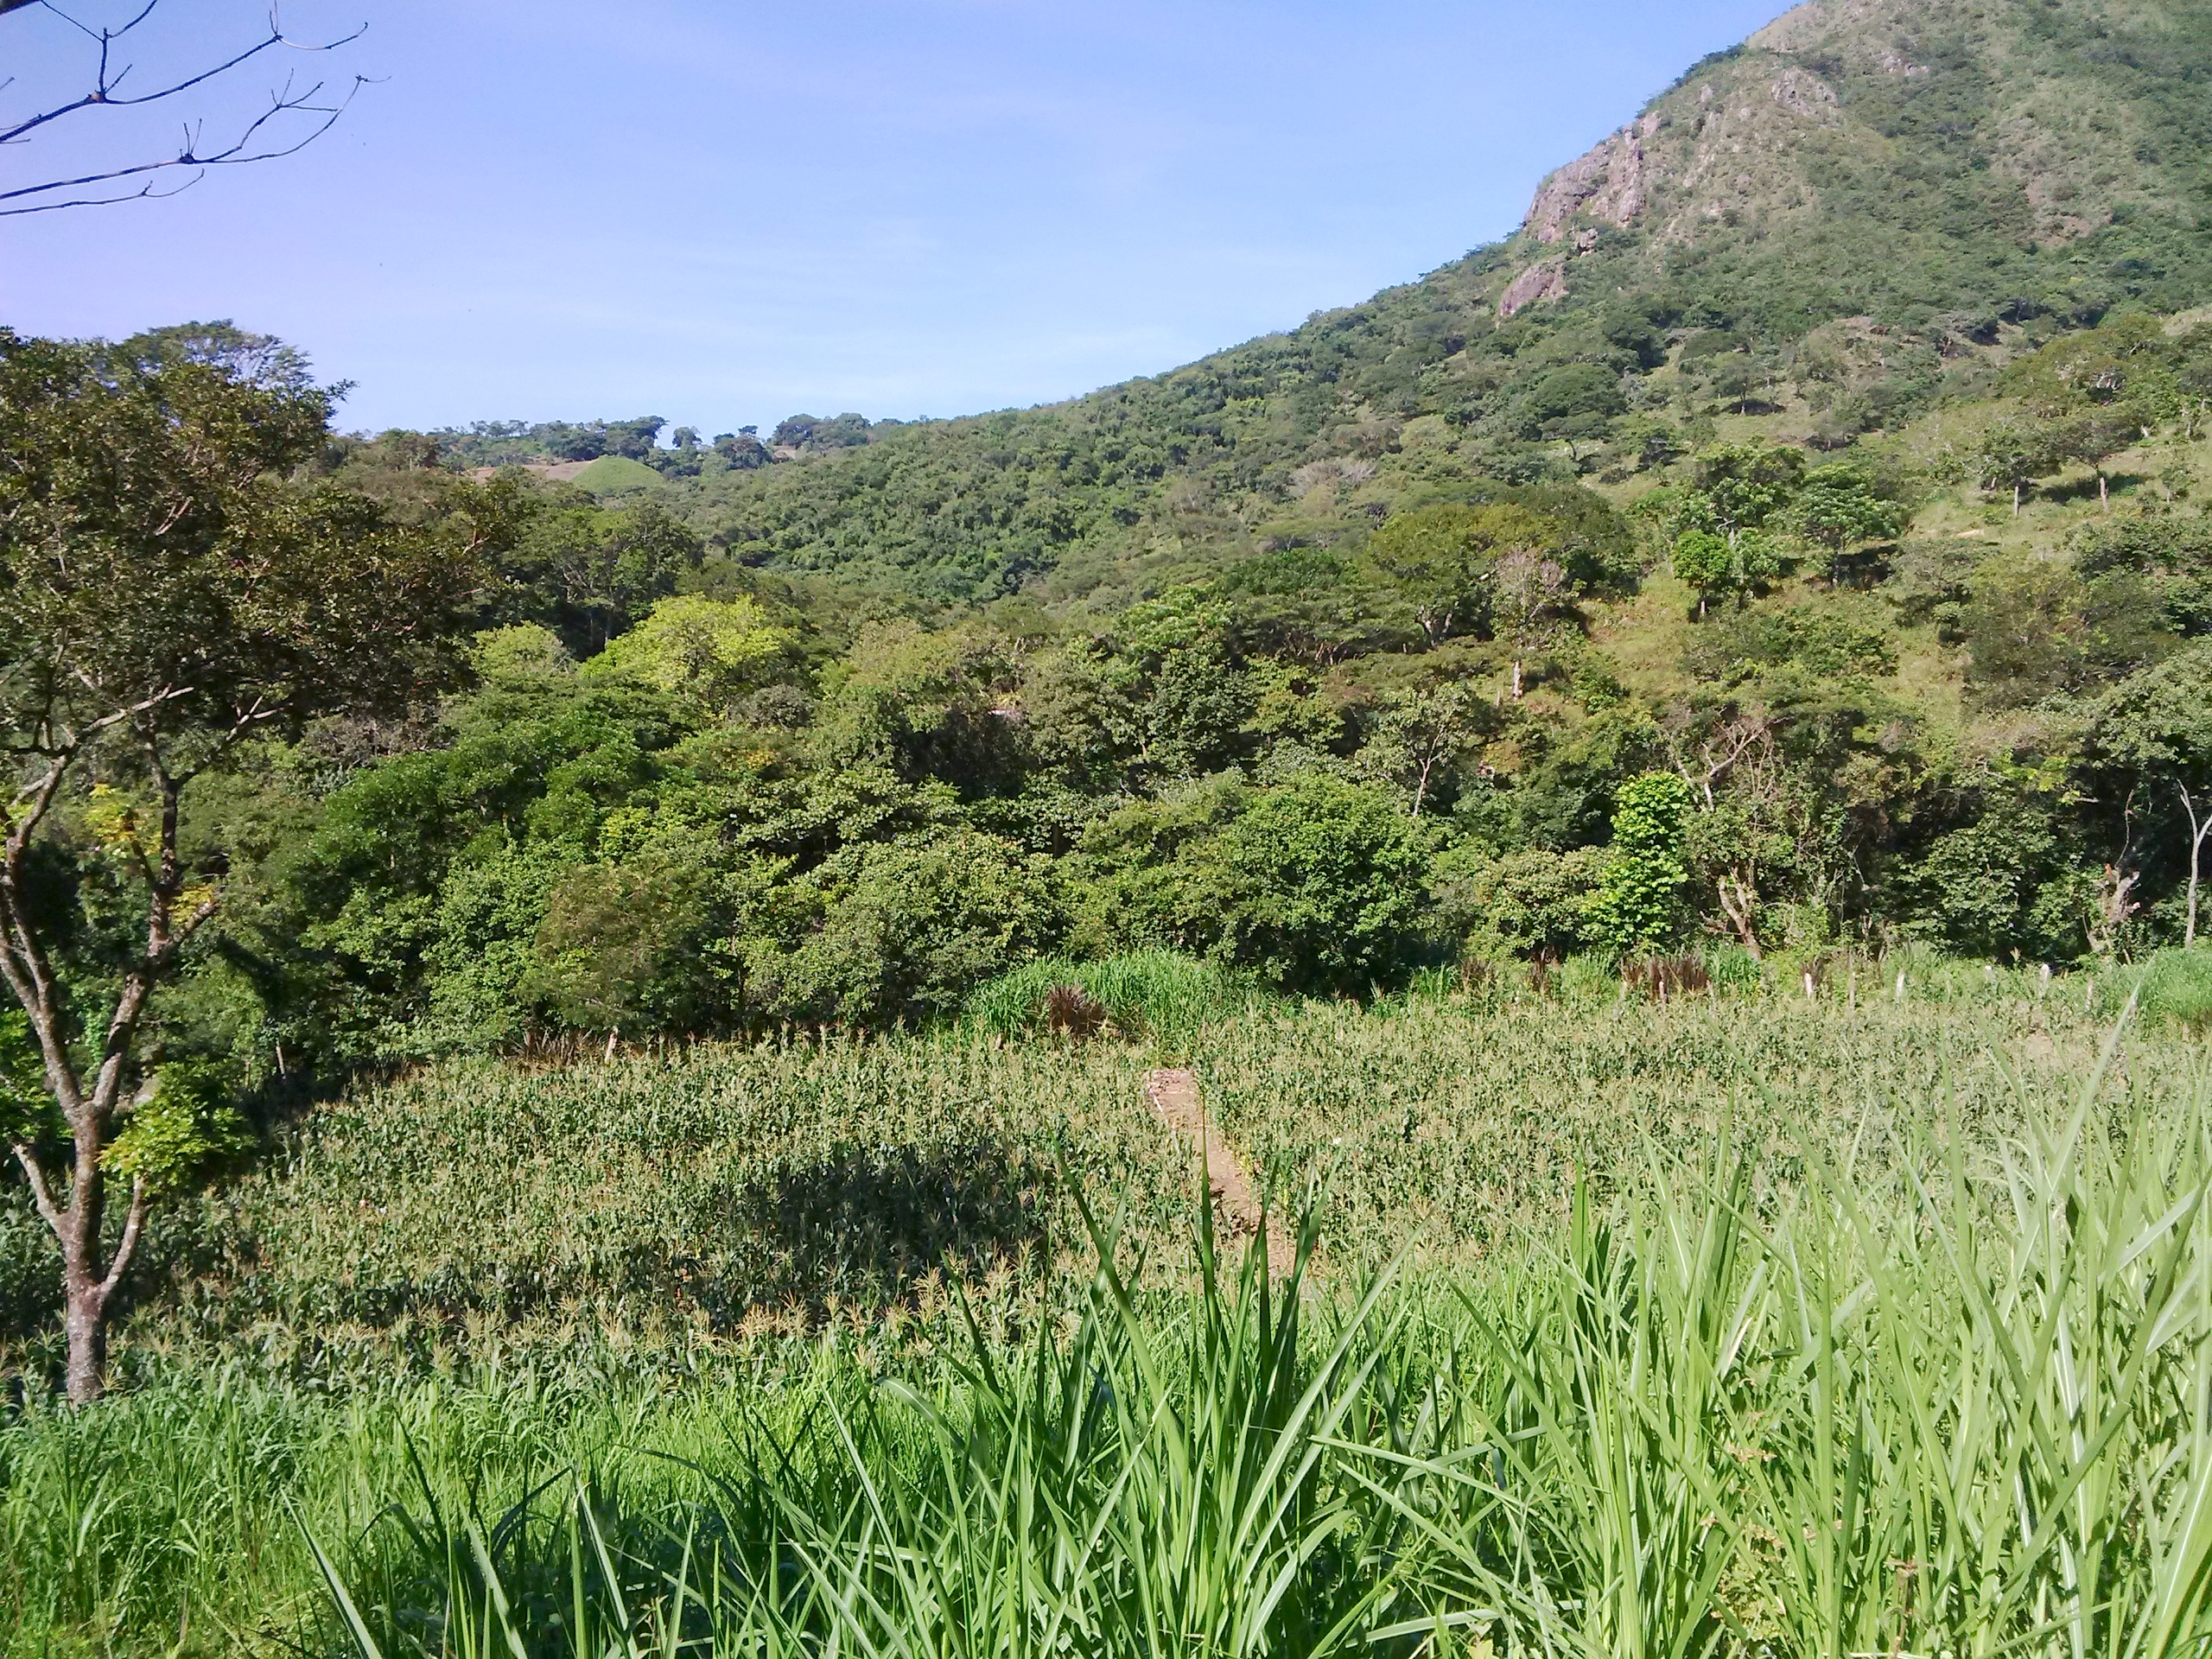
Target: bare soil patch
<point>1174,1096</point>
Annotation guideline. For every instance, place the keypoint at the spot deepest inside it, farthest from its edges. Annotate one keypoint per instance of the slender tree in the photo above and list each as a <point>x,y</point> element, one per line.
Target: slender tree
<point>165,596</point>
<point>1530,589</point>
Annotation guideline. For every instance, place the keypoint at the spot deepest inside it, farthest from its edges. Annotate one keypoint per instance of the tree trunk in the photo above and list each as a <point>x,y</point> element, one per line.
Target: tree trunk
<point>84,1287</point>
<point>2198,830</point>
<point>86,1320</point>
<point>2195,850</point>
<point>2104,493</point>
<point>2015,497</point>
<point>1739,899</point>
<point>1517,679</point>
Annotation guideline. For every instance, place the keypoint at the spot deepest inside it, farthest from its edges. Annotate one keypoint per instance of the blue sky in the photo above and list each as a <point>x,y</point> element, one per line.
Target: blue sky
<point>727,213</point>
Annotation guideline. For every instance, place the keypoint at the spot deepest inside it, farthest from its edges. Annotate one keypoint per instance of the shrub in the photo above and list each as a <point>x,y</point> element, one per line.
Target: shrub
<point>1314,883</point>
<point>1525,903</point>
<point>906,931</point>
<point>1639,889</point>
<point>634,949</point>
<point>1317,885</point>
<point>1730,967</point>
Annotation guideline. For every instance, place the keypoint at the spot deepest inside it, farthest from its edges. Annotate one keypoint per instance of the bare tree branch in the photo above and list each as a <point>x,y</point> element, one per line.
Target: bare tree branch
<point>129,1242</point>
<point>107,93</point>
<point>40,1195</point>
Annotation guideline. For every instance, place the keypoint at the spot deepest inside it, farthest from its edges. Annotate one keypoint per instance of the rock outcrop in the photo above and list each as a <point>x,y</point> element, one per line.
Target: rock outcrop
<point>1545,280</point>
<point>1607,184</point>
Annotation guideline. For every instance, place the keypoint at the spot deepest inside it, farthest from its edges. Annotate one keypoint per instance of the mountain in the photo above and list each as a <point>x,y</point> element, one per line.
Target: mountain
<point>1842,217</point>
<point>1903,160</point>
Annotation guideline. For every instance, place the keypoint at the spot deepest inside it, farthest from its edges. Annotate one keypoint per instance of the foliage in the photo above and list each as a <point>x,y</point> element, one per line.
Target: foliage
<point>902,932</point>
<point>26,1109</point>
<point>1311,883</point>
<point>152,559</point>
<point>704,651</point>
<point>1837,508</point>
<point>167,597</point>
<point>1636,906</point>
<point>1707,562</point>
<point>1535,903</point>
<point>182,1131</point>
<point>637,948</point>
<point>2175,988</point>
<point>1441,559</point>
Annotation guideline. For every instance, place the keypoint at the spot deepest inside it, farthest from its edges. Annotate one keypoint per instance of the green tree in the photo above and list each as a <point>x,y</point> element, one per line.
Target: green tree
<point>164,598</point>
<point>1640,885</point>
<point>1530,591</point>
<point>1746,486</point>
<point>904,931</point>
<point>1837,509</point>
<point>705,653</point>
<point>2014,452</point>
<point>585,570</point>
<point>1706,563</point>
<point>1418,736</point>
<point>1439,559</point>
<point>1310,600</point>
<point>2156,727</point>
<point>1534,903</point>
<point>1317,883</point>
<point>642,946</point>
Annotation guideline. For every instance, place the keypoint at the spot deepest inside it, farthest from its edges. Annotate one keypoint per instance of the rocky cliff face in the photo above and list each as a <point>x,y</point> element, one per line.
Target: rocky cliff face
<point>2038,105</point>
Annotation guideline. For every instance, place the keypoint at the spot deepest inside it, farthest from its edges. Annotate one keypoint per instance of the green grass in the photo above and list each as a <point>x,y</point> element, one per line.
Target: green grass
<point>1751,1323</point>
<point>2176,989</point>
<point>663,1215</point>
<point>1159,997</point>
<point>611,472</point>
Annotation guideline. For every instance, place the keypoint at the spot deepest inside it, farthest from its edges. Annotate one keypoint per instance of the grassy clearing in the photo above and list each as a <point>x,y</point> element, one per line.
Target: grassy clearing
<point>660,1214</point>
<point>1746,1323</point>
<point>1954,1402</point>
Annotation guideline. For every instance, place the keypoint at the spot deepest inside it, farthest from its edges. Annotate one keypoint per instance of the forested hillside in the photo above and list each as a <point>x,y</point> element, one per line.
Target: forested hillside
<point>1788,543</point>
<point>1844,215</point>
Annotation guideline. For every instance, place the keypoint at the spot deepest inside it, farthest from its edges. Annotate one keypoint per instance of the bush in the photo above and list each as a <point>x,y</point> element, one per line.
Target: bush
<point>635,949</point>
<point>906,931</point>
<point>1731,968</point>
<point>1523,903</point>
<point>1317,885</point>
<point>1639,891</point>
<point>1314,883</point>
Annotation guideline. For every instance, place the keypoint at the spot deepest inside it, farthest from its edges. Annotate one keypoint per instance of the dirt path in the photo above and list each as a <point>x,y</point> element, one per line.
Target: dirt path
<point>1174,1095</point>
